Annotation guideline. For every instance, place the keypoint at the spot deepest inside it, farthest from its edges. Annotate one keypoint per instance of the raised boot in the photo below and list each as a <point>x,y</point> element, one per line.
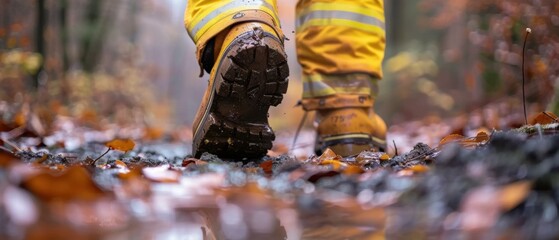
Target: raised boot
<point>347,124</point>
<point>249,74</point>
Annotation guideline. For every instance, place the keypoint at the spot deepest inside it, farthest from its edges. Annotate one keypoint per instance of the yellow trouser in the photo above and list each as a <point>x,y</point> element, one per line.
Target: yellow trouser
<point>340,43</point>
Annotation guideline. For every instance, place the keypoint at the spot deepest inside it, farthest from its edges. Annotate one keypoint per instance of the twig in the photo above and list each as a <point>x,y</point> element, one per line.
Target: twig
<point>94,161</point>
<point>303,120</point>
<point>395,148</point>
<point>13,145</point>
<point>528,31</point>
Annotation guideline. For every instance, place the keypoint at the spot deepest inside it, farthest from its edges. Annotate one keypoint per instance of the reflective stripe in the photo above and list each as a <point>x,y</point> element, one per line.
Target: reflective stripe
<point>317,85</point>
<point>320,89</point>
<point>316,89</point>
<point>232,5</point>
<point>333,15</point>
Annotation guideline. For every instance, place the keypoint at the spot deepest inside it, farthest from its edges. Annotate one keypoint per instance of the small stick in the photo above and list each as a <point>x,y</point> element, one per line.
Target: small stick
<point>395,148</point>
<point>528,31</point>
<point>94,161</point>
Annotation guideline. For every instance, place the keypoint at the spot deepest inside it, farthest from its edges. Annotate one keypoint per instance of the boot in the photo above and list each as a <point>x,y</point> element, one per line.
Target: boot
<point>248,75</point>
<point>347,124</point>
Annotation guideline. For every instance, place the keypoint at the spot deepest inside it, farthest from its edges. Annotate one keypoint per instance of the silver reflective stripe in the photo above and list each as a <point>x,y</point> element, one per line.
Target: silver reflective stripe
<point>226,7</point>
<point>315,87</point>
<point>325,14</point>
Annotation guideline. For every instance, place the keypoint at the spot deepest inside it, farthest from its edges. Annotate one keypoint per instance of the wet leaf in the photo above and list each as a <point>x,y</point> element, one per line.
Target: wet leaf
<point>336,165</point>
<point>267,166</point>
<point>328,155</point>
<point>384,157</point>
<point>419,168</point>
<point>188,161</point>
<point>162,174</point>
<point>513,194</point>
<point>544,118</point>
<point>120,164</point>
<point>6,158</point>
<point>352,169</point>
<point>19,119</point>
<point>124,145</point>
<point>481,137</point>
<point>75,183</point>
<point>452,138</point>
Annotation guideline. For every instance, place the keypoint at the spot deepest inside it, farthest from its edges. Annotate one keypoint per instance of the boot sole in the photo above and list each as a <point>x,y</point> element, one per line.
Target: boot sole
<point>251,77</point>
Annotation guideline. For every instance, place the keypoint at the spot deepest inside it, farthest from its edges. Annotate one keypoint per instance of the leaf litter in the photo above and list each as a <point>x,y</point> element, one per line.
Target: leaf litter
<point>499,184</point>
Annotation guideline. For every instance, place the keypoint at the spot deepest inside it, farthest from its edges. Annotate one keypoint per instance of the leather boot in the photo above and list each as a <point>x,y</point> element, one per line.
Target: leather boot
<point>248,76</point>
<point>347,124</point>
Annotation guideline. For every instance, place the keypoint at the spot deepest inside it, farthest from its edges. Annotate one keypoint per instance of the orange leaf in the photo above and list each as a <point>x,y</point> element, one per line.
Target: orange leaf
<point>336,165</point>
<point>267,166</point>
<point>513,194</point>
<point>6,158</point>
<point>544,118</point>
<point>450,139</point>
<point>124,145</point>
<point>419,168</point>
<point>120,164</point>
<point>352,169</point>
<point>482,137</point>
<point>74,183</point>
<point>384,157</point>
<point>329,155</point>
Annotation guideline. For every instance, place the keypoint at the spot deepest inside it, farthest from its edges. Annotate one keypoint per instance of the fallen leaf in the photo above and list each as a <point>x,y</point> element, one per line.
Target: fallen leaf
<point>188,161</point>
<point>120,164</point>
<point>419,168</point>
<point>452,138</point>
<point>6,158</point>
<point>328,155</point>
<point>513,194</point>
<point>124,145</point>
<point>162,174</point>
<point>267,166</point>
<point>75,183</point>
<point>544,118</point>
<point>19,119</point>
<point>352,169</point>
<point>384,157</point>
<point>336,165</point>
<point>482,137</point>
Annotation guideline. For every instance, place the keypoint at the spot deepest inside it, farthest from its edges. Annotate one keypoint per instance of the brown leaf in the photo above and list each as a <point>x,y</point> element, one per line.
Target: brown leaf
<point>120,164</point>
<point>75,183</point>
<point>328,155</point>
<point>451,139</point>
<point>384,157</point>
<point>544,118</point>
<point>124,145</point>
<point>482,137</point>
<point>352,169</point>
<point>267,166</point>
<point>513,194</point>
<point>188,161</point>
<point>6,158</point>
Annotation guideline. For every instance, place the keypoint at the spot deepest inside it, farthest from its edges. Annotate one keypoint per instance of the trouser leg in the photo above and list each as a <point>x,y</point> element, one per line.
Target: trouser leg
<point>340,45</point>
